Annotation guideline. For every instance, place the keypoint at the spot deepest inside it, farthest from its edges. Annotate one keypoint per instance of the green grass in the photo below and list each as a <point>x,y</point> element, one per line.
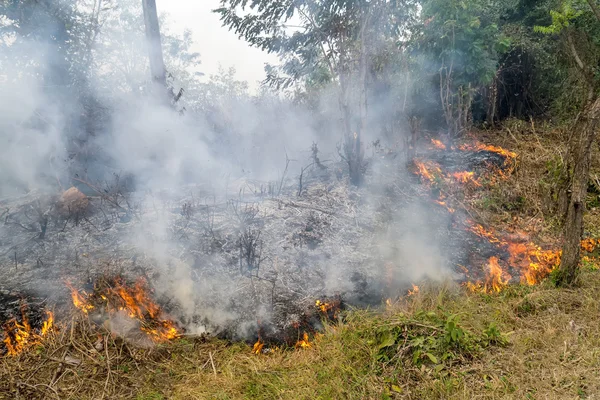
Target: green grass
<point>524,343</point>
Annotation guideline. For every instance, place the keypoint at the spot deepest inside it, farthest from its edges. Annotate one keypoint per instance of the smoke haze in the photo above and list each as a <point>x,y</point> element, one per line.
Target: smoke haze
<point>236,160</point>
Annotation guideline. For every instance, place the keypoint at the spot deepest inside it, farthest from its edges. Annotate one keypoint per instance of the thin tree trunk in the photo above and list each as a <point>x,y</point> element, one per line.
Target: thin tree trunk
<point>585,133</point>
<point>157,64</point>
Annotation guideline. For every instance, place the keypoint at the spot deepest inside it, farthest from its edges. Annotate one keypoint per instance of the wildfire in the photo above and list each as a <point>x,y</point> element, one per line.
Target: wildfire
<point>482,232</point>
<point>535,264</point>
<point>446,206</point>
<point>429,171</point>
<point>79,301</point>
<point>438,144</point>
<point>304,342</point>
<point>497,279</point>
<point>135,301</point>
<point>19,335</point>
<point>494,149</point>
<point>258,346</point>
<point>330,308</point>
<point>48,323</point>
<point>466,177</point>
<point>324,307</point>
<point>414,290</point>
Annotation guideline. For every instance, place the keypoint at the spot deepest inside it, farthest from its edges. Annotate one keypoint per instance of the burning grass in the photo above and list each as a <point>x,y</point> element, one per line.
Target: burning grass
<point>502,338</point>
<point>112,299</point>
<point>526,342</point>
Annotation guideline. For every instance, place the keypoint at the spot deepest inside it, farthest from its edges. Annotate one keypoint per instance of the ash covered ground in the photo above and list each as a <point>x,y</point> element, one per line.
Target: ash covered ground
<point>246,255</point>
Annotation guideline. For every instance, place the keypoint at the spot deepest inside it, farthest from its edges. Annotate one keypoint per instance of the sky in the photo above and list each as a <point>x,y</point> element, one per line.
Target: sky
<point>216,45</point>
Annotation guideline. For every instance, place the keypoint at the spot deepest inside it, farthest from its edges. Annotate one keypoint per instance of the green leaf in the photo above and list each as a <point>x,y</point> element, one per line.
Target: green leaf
<point>432,358</point>
<point>388,339</point>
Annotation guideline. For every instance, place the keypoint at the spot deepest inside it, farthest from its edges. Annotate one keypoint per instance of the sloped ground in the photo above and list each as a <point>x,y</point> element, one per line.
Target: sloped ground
<point>526,342</point>
<point>223,263</point>
<point>553,340</point>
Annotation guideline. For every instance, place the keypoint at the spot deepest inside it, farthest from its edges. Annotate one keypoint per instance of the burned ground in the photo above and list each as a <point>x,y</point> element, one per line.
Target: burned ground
<point>251,261</point>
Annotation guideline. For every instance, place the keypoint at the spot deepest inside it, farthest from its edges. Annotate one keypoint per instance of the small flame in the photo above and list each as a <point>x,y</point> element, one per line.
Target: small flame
<point>388,303</point>
<point>330,308</point>
<point>446,206</point>
<point>48,323</point>
<point>80,302</point>
<point>429,170</point>
<point>414,290</point>
<point>438,144</point>
<point>258,346</point>
<point>496,279</point>
<point>481,231</point>
<point>494,149</point>
<point>466,177</point>
<point>303,343</point>
<point>535,264</point>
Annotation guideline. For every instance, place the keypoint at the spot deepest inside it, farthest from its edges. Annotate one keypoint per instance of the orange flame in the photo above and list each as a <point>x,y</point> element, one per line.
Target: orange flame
<point>48,323</point>
<point>482,232</point>
<point>494,149</point>
<point>535,264</point>
<point>497,279</point>
<point>446,206</point>
<point>258,346</point>
<point>136,302</point>
<point>414,290</point>
<point>19,336</point>
<point>79,301</point>
<point>303,343</point>
<point>429,171</point>
<point>466,177</point>
<point>438,144</point>
<point>328,307</point>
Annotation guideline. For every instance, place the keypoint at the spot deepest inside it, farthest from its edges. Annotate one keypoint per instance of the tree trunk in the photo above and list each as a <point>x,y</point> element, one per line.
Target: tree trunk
<point>157,64</point>
<point>580,149</point>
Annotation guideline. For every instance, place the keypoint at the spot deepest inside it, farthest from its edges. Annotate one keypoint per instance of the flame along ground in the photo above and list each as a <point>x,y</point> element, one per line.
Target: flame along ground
<point>19,336</point>
<point>531,263</point>
<point>528,260</point>
<point>117,297</point>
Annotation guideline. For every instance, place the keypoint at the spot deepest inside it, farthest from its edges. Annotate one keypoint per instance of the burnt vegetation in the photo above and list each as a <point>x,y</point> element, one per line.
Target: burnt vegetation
<point>413,180</point>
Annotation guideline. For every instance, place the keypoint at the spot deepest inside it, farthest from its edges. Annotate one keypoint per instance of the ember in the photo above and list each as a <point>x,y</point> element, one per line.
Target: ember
<point>438,144</point>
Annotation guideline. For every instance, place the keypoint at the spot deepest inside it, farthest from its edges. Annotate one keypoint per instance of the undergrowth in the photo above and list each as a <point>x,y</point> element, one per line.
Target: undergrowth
<point>527,342</point>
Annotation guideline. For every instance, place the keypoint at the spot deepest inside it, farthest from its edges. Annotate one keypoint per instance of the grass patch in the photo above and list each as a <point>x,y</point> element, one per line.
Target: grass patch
<point>538,343</point>
<point>442,343</point>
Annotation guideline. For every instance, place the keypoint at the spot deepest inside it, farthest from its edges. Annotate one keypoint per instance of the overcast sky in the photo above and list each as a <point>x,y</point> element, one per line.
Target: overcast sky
<point>215,43</point>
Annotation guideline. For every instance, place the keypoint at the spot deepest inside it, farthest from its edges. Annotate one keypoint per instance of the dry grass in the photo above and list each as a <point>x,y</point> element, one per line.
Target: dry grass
<point>553,353</point>
<point>553,334</point>
<point>528,198</point>
<point>554,341</point>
